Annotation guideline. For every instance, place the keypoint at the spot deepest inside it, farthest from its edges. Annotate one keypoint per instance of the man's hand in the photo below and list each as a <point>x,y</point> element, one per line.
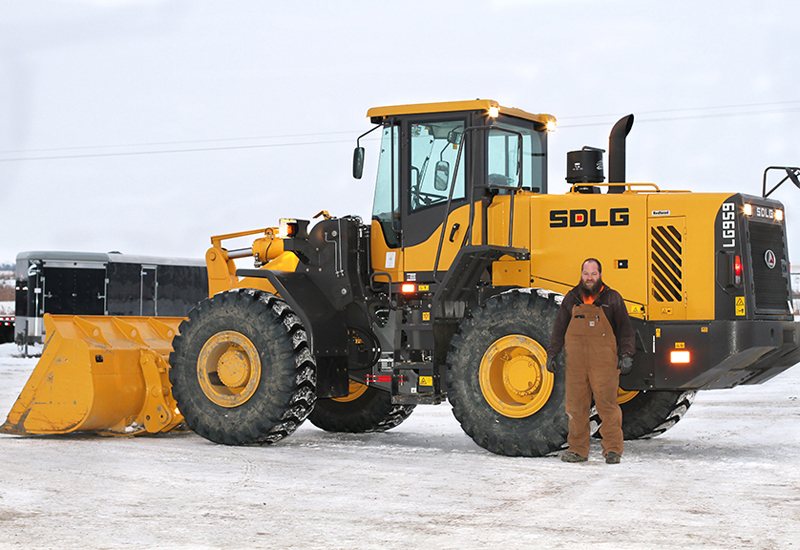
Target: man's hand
<point>551,364</point>
<point>625,364</point>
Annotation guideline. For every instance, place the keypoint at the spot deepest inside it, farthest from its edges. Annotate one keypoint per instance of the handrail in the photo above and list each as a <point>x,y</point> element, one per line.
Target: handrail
<point>484,185</point>
<point>629,186</point>
<point>792,173</point>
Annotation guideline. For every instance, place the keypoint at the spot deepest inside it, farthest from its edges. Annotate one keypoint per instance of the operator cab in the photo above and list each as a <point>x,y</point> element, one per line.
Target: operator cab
<point>434,157</point>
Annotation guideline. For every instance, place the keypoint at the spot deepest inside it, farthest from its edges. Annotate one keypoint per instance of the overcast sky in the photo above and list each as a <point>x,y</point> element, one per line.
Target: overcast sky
<point>146,127</point>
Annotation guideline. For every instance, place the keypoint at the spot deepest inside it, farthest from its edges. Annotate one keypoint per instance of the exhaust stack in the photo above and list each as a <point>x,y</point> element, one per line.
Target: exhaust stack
<point>616,153</point>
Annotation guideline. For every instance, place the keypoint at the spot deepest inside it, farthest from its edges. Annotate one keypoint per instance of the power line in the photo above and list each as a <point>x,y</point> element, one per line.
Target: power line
<point>741,106</point>
<point>169,151</point>
<point>688,117</point>
<point>158,143</point>
<point>352,133</point>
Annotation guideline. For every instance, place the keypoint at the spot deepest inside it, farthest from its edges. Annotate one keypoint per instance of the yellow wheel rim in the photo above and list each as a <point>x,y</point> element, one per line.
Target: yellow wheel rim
<point>623,396</point>
<point>356,390</point>
<point>513,377</point>
<point>229,368</point>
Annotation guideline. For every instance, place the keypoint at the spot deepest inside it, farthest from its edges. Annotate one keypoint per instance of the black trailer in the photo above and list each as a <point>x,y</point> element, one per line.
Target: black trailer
<point>87,283</point>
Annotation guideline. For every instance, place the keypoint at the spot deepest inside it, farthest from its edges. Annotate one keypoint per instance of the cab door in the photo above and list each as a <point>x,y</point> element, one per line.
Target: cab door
<point>434,173</point>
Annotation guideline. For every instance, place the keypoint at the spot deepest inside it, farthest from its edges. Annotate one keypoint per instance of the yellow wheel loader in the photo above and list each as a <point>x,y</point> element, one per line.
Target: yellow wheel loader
<point>449,292</point>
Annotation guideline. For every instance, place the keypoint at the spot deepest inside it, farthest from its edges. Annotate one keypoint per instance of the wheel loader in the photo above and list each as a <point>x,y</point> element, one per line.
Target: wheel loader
<point>449,292</point>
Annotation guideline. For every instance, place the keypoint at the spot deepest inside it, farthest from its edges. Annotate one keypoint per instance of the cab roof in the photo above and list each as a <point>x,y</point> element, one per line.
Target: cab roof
<point>453,106</point>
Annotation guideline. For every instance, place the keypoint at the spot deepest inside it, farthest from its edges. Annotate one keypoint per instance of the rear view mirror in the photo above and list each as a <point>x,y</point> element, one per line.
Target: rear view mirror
<point>358,162</point>
<point>442,176</point>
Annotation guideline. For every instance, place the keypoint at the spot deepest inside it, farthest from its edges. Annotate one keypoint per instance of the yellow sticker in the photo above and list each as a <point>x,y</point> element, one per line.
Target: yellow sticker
<point>426,315</point>
<point>426,380</point>
<point>703,329</point>
<point>424,288</point>
<point>740,306</point>
<point>658,333</point>
<point>680,345</point>
<point>666,310</point>
<point>636,308</point>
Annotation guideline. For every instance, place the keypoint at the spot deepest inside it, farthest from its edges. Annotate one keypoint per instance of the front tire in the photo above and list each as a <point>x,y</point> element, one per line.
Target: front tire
<point>242,372</point>
<point>365,410</point>
<point>497,383</point>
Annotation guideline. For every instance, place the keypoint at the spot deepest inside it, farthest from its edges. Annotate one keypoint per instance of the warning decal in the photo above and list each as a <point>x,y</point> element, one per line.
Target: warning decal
<point>740,306</point>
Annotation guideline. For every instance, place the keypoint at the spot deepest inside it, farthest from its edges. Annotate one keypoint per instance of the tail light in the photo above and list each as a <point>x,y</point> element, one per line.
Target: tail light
<point>737,270</point>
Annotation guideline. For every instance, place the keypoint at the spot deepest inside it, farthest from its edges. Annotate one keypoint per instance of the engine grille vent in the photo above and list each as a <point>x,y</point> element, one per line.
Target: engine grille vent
<point>666,263</point>
<point>770,285</point>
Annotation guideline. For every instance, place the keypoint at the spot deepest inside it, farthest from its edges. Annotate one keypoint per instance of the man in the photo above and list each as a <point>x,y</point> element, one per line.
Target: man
<point>594,327</point>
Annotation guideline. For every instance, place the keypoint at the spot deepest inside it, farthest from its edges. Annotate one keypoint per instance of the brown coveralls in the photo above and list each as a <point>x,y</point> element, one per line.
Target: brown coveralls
<point>591,346</point>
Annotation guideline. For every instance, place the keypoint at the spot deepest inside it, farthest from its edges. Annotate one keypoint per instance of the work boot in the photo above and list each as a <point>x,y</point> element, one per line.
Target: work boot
<point>613,458</point>
<point>569,456</point>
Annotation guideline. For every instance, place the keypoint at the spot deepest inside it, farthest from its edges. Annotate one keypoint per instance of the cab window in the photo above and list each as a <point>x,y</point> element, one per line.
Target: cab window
<point>386,206</point>
<point>434,150</point>
<point>505,164</point>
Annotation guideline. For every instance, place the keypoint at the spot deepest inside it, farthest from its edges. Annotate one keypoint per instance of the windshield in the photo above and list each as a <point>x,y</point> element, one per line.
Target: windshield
<point>386,206</point>
<point>434,149</point>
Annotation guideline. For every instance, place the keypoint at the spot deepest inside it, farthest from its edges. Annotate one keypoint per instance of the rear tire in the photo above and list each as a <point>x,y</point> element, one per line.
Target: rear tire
<point>497,383</point>
<point>242,372</point>
<point>366,410</point>
<point>650,413</point>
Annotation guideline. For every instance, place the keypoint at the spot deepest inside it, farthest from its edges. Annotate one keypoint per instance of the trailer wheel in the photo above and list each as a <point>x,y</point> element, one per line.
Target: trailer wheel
<point>365,410</point>
<point>242,372</point>
<point>500,390</point>
<point>649,413</point>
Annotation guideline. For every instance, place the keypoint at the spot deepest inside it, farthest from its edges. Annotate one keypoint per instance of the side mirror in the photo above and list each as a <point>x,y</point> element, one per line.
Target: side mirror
<point>454,137</point>
<point>442,176</point>
<point>358,162</point>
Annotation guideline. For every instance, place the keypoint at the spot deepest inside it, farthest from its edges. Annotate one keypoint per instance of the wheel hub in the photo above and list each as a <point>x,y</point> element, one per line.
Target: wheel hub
<point>513,377</point>
<point>522,376</point>
<point>233,368</point>
<point>229,368</point>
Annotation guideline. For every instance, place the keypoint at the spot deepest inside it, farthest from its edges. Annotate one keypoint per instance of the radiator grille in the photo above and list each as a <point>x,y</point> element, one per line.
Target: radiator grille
<point>666,263</point>
<point>770,285</point>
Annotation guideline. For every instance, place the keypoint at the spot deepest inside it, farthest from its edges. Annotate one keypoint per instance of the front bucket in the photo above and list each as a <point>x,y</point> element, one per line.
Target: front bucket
<point>99,373</point>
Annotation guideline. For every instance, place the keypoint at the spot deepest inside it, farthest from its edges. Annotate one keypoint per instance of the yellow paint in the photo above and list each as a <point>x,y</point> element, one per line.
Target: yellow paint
<point>100,373</point>
<point>623,396</point>
<point>379,250</point>
<point>356,390</point>
<point>511,273</point>
<point>229,369</point>
<point>512,376</point>
<point>454,106</point>
<point>422,257</point>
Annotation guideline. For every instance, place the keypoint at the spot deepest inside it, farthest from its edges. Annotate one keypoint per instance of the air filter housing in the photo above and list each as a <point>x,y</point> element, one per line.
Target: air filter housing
<point>585,166</point>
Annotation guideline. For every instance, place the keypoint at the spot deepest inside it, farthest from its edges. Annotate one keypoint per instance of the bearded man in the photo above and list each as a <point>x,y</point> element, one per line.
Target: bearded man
<point>594,327</point>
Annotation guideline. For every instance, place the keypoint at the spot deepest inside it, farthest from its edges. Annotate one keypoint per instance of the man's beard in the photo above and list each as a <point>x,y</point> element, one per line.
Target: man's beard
<point>594,290</point>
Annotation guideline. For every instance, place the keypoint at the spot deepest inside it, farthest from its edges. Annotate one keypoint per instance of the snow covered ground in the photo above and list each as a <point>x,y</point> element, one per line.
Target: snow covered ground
<point>725,477</point>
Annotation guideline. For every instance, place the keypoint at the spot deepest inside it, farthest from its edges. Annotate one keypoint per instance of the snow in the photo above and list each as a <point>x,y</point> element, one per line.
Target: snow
<point>724,477</point>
